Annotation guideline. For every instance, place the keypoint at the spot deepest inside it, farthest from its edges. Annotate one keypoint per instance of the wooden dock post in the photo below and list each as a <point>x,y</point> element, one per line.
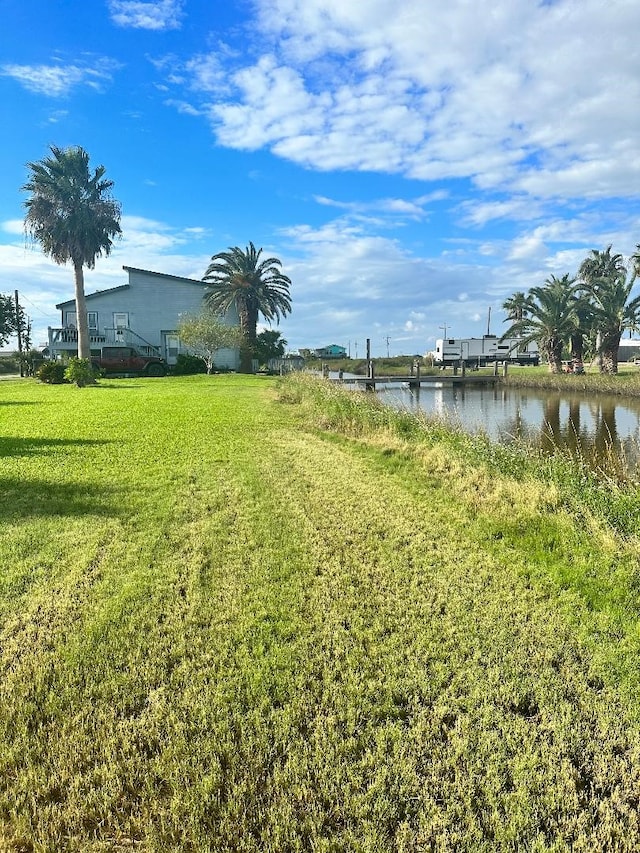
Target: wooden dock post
<point>414,379</point>
<point>370,386</point>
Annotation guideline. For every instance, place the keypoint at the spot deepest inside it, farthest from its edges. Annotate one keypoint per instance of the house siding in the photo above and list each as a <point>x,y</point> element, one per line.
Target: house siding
<point>153,303</point>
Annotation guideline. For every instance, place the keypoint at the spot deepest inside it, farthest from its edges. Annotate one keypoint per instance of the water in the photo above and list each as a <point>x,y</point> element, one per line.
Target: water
<point>592,425</point>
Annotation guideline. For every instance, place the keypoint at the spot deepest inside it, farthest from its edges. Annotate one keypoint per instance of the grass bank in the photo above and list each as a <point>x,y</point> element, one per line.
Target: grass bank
<point>626,383</point>
<point>243,616</point>
<point>400,365</point>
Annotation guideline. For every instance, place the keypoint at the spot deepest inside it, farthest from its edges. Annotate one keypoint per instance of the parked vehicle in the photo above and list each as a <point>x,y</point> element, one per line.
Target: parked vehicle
<point>478,352</point>
<point>126,359</point>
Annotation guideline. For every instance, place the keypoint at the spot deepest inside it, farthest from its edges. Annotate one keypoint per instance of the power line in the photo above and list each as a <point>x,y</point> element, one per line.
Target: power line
<point>26,299</point>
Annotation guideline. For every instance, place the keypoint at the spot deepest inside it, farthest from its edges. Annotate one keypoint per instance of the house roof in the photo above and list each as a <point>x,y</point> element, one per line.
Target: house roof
<point>166,275</point>
<point>95,293</point>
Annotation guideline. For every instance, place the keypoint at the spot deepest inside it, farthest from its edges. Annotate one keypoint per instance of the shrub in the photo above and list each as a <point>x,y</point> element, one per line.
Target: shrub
<point>51,372</point>
<point>188,364</point>
<point>9,364</point>
<point>80,371</point>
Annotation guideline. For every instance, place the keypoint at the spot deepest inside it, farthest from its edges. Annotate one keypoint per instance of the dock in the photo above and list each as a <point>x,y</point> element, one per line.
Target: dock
<point>417,380</point>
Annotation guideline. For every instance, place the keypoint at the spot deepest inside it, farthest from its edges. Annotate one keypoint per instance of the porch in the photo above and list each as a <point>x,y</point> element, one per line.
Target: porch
<point>64,341</point>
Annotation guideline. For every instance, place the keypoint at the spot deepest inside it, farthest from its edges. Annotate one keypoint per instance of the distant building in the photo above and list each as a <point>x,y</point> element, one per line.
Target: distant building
<point>332,351</point>
<point>629,349</point>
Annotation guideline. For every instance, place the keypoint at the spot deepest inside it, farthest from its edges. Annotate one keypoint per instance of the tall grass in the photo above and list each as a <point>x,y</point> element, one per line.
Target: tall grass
<point>625,384</point>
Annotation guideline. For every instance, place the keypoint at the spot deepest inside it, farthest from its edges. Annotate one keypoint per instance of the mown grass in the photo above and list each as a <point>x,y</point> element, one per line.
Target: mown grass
<point>235,619</point>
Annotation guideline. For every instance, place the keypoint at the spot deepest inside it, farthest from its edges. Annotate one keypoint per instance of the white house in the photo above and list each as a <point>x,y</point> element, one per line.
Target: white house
<point>143,313</point>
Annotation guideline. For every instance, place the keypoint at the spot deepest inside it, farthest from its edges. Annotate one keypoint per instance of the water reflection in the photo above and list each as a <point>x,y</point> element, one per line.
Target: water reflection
<point>595,427</point>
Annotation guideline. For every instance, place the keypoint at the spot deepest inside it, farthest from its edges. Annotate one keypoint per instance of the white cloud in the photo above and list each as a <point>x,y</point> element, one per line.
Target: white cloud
<point>57,116</point>
<point>530,246</point>
<point>397,208</point>
<point>58,80</point>
<point>13,226</point>
<point>208,73</point>
<point>183,107</point>
<point>152,15</point>
<point>463,91</point>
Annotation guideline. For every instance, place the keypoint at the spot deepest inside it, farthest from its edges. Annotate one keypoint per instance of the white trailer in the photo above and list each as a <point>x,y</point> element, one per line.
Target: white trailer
<point>478,352</point>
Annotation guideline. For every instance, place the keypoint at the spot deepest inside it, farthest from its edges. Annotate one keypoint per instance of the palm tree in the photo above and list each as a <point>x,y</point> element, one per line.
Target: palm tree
<point>604,278</point>
<point>239,278</point>
<point>549,317</point>
<point>515,306</point>
<point>74,218</point>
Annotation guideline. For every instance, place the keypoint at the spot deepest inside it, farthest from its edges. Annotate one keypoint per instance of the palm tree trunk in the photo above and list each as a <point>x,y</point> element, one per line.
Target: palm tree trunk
<point>577,346</point>
<point>554,356</point>
<point>609,355</point>
<point>84,350</point>
<point>248,324</point>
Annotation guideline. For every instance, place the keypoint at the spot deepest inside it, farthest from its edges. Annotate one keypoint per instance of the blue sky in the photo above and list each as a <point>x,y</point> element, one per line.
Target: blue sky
<point>412,164</point>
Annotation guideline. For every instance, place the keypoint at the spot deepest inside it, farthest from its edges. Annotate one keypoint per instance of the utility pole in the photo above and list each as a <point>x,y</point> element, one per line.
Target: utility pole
<point>19,332</point>
<point>356,344</point>
<point>387,339</point>
<point>489,322</point>
<point>444,328</point>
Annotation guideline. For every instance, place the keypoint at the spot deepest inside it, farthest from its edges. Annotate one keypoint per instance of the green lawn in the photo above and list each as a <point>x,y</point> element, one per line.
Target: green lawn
<point>231,620</point>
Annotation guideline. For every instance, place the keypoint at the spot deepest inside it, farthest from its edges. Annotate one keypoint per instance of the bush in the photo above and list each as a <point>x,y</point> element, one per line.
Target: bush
<point>189,364</point>
<point>51,372</point>
<point>9,364</point>
<point>80,371</point>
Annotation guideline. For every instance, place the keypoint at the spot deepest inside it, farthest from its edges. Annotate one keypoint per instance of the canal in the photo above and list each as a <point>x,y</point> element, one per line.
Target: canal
<point>594,426</point>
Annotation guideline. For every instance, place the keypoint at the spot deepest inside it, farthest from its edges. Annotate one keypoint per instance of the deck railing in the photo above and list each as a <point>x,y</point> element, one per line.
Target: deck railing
<point>66,338</point>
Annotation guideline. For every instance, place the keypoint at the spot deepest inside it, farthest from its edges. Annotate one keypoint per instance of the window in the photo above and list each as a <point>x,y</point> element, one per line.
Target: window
<point>173,346</point>
<point>70,320</point>
<point>121,320</point>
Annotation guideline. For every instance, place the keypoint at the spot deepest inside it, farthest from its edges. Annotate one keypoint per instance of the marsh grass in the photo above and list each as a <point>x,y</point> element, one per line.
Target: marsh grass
<point>626,383</point>
<point>229,623</point>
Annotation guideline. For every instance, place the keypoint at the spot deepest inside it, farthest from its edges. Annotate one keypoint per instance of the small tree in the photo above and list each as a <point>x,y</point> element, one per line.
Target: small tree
<point>80,371</point>
<point>206,333</point>
<point>269,344</point>
<point>8,325</point>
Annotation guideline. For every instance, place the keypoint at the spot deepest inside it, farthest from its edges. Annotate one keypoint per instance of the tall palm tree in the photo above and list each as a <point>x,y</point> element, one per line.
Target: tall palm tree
<point>74,218</point>
<point>239,278</point>
<point>605,280</point>
<point>549,317</point>
<point>515,306</point>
